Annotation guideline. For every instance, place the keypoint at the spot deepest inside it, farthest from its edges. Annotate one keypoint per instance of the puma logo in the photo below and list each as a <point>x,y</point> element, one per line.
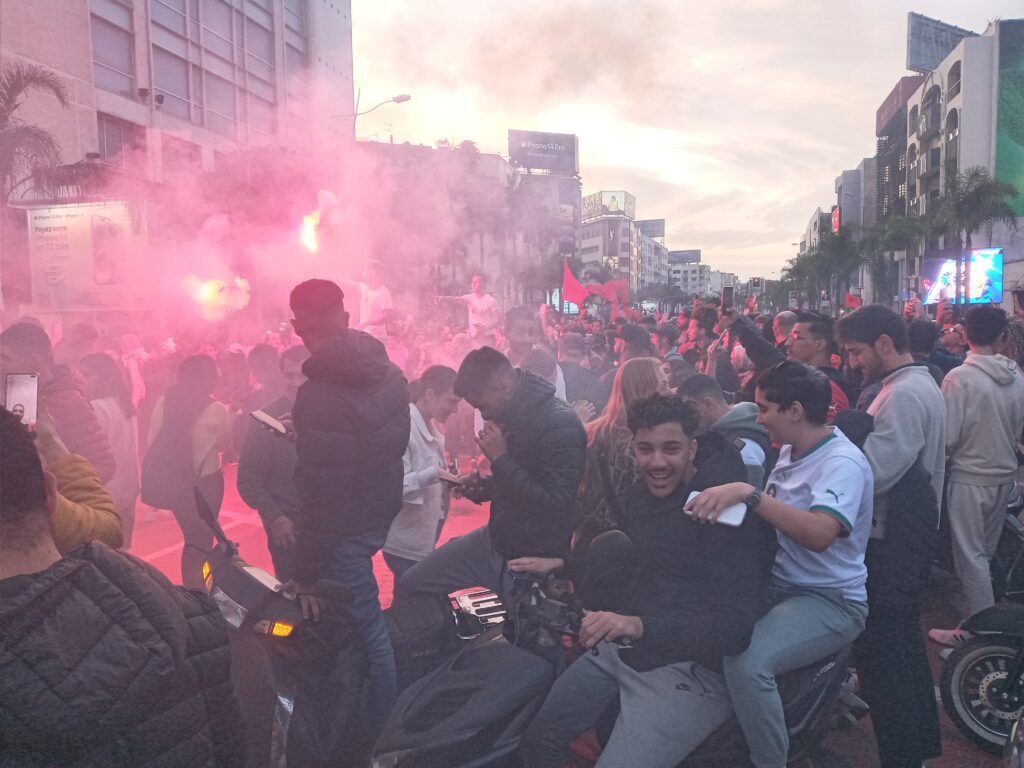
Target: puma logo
<point>834,495</point>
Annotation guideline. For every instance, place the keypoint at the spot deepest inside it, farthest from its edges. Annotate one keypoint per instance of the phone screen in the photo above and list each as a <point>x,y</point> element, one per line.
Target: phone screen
<point>727,296</point>
<point>270,421</point>
<point>21,396</point>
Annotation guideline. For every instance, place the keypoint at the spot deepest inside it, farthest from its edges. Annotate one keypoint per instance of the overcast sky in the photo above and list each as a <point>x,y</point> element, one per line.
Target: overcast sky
<point>728,118</point>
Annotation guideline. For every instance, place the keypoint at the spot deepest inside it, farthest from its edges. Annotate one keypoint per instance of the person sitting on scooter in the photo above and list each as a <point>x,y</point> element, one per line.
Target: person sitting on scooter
<point>695,595</point>
<point>819,500</point>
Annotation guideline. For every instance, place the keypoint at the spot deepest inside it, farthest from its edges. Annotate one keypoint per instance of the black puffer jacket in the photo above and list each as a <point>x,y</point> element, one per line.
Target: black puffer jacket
<point>534,486</point>
<point>104,663</point>
<point>352,421</point>
<point>699,589</point>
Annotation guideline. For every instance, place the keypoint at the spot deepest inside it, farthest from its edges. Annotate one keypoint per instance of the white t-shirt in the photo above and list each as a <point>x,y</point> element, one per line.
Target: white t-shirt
<point>752,454</point>
<point>483,314</point>
<point>833,477</point>
<point>373,302</point>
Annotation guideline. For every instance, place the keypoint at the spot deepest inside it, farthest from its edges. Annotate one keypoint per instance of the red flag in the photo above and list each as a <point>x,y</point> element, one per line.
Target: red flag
<point>852,302</point>
<point>572,289</point>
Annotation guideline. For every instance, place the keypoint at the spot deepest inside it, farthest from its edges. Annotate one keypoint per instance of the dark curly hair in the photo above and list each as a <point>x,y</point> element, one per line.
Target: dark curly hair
<point>663,409</point>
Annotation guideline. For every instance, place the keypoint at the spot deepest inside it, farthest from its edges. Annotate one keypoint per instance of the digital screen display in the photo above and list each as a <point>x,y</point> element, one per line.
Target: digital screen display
<point>940,277</point>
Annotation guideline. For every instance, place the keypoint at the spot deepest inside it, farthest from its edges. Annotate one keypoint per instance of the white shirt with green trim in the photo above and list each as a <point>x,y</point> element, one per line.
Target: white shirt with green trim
<point>833,477</point>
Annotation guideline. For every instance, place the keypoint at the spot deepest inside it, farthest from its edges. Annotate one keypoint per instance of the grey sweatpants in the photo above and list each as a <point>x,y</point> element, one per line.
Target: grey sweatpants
<point>976,515</point>
<point>665,713</point>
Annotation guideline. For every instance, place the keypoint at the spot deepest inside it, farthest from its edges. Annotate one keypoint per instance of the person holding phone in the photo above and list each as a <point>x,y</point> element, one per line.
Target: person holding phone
<point>819,500</point>
<point>427,486</point>
<point>266,467</point>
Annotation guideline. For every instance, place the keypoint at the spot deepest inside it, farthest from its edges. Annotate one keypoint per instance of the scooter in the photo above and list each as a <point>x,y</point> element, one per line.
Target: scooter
<point>278,655</point>
<point>983,678</point>
<point>472,710</point>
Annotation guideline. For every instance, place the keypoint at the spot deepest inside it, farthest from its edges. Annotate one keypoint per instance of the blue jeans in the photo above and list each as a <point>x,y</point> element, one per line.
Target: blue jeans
<point>351,565</point>
<point>804,625</point>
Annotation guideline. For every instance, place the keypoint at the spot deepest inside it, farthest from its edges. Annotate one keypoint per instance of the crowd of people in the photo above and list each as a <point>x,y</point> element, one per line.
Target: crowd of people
<point>846,442</point>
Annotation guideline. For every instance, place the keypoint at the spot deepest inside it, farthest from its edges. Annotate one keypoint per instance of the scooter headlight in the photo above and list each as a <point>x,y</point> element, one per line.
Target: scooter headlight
<point>233,613</point>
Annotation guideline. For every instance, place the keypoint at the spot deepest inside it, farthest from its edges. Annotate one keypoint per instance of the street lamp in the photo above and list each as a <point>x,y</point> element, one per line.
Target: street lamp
<point>399,99</point>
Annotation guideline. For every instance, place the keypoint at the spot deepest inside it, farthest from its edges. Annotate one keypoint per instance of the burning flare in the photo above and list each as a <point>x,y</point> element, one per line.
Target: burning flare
<point>308,233</point>
<point>216,298</point>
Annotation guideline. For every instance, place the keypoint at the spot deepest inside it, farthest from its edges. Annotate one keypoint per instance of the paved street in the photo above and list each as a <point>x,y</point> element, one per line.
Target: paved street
<point>158,541</point>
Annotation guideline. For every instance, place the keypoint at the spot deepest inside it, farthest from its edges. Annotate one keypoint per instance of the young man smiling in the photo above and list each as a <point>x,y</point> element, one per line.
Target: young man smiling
<point>818,499</point>
<point>694,597</point>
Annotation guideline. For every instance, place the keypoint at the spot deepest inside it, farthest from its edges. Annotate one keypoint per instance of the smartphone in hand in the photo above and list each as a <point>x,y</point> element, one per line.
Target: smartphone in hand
<point>21,397</point>
<point>270,422</point>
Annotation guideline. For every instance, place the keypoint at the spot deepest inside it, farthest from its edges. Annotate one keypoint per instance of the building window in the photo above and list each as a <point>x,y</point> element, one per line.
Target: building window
<point>113,60</point>
<point>179,156</point>
<point>170,14</point>
<point>221,105</point>
<point>218,30</point>
<point>259,50</point>
<point>171,78</point>
<point>295,15</point>
<point>118,138</point>
<point>954,81</point>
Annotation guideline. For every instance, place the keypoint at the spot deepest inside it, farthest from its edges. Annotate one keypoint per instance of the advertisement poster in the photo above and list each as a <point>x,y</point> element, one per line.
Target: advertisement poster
<point>82,257</point>
<point>1010,121</point>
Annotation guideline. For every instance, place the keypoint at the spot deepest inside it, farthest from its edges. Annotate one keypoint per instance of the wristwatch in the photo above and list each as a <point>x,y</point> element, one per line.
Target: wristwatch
<point>753,499</point>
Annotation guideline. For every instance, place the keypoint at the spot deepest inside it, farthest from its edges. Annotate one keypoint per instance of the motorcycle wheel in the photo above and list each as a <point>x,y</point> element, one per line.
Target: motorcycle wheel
<point>975,690</point>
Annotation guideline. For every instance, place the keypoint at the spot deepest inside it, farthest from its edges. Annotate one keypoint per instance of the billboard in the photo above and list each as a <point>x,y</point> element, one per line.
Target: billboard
<point>556,152</point>
<point>939,277</point>
<point>80,257</point>
<point>652,228</point>
<point>690,256</point>
<point>929,41</point>
<point>1010,115</point>
<point>615,203</point>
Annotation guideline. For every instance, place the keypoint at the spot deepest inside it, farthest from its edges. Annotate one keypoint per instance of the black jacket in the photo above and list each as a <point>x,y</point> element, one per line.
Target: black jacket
<point>699,589</point>
<point>352,422</point>
<point>533,487</point>
<point>104,663</point>
<point>581,384</point>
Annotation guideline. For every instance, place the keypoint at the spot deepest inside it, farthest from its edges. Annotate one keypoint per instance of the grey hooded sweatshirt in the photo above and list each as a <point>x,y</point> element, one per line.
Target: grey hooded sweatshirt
<point>740,423</point>
<point>984,419</point>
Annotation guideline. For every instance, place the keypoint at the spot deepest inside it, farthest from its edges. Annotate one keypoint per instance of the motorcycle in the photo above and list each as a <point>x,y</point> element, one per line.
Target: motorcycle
<point>983,678</point>
<point>471,711</point>
<point>278,655</point>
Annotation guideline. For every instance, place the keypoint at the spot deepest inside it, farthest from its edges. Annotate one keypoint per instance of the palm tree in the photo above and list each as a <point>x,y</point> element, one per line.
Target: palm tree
<point>24,148</point>
<point>973,202</point>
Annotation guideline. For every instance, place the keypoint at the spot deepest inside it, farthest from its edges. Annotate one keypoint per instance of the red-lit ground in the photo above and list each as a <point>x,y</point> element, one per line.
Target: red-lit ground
<point>158,540</point>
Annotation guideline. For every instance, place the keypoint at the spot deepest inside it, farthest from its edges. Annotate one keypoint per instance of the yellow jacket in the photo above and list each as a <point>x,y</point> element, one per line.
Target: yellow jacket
<point>84,508</point>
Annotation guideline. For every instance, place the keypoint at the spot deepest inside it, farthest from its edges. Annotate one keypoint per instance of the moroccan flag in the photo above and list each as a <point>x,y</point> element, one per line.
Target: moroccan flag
<point>852,302</point>
<point>572,289</point>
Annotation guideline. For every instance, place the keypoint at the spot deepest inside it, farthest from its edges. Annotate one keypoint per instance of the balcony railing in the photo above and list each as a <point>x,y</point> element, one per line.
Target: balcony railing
<point>930,164</point>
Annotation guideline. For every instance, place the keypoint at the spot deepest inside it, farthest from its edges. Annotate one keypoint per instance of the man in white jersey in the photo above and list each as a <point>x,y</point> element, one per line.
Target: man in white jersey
<point>819,500</point>
<point>484,315</point>
<point>374,300</point>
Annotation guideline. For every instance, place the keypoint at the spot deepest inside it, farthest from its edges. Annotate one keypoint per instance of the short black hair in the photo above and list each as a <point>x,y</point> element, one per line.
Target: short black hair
<point>984,324</point>
<point>705,317</point>
<point>791,382</point>
<point>28,337</point>
<point>700,385</point>
<point>922,335</point>
<point>23,503</point>
<point>661,409</point>
<point>317,298</point>
<point>867,324</point>
<point>819,325</point>
<point>479,370</point>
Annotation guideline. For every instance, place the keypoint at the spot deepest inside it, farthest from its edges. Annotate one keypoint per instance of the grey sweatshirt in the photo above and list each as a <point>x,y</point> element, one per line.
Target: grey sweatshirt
<point>740,422</point>
<point>984,419</point>
<point>910,423</point>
